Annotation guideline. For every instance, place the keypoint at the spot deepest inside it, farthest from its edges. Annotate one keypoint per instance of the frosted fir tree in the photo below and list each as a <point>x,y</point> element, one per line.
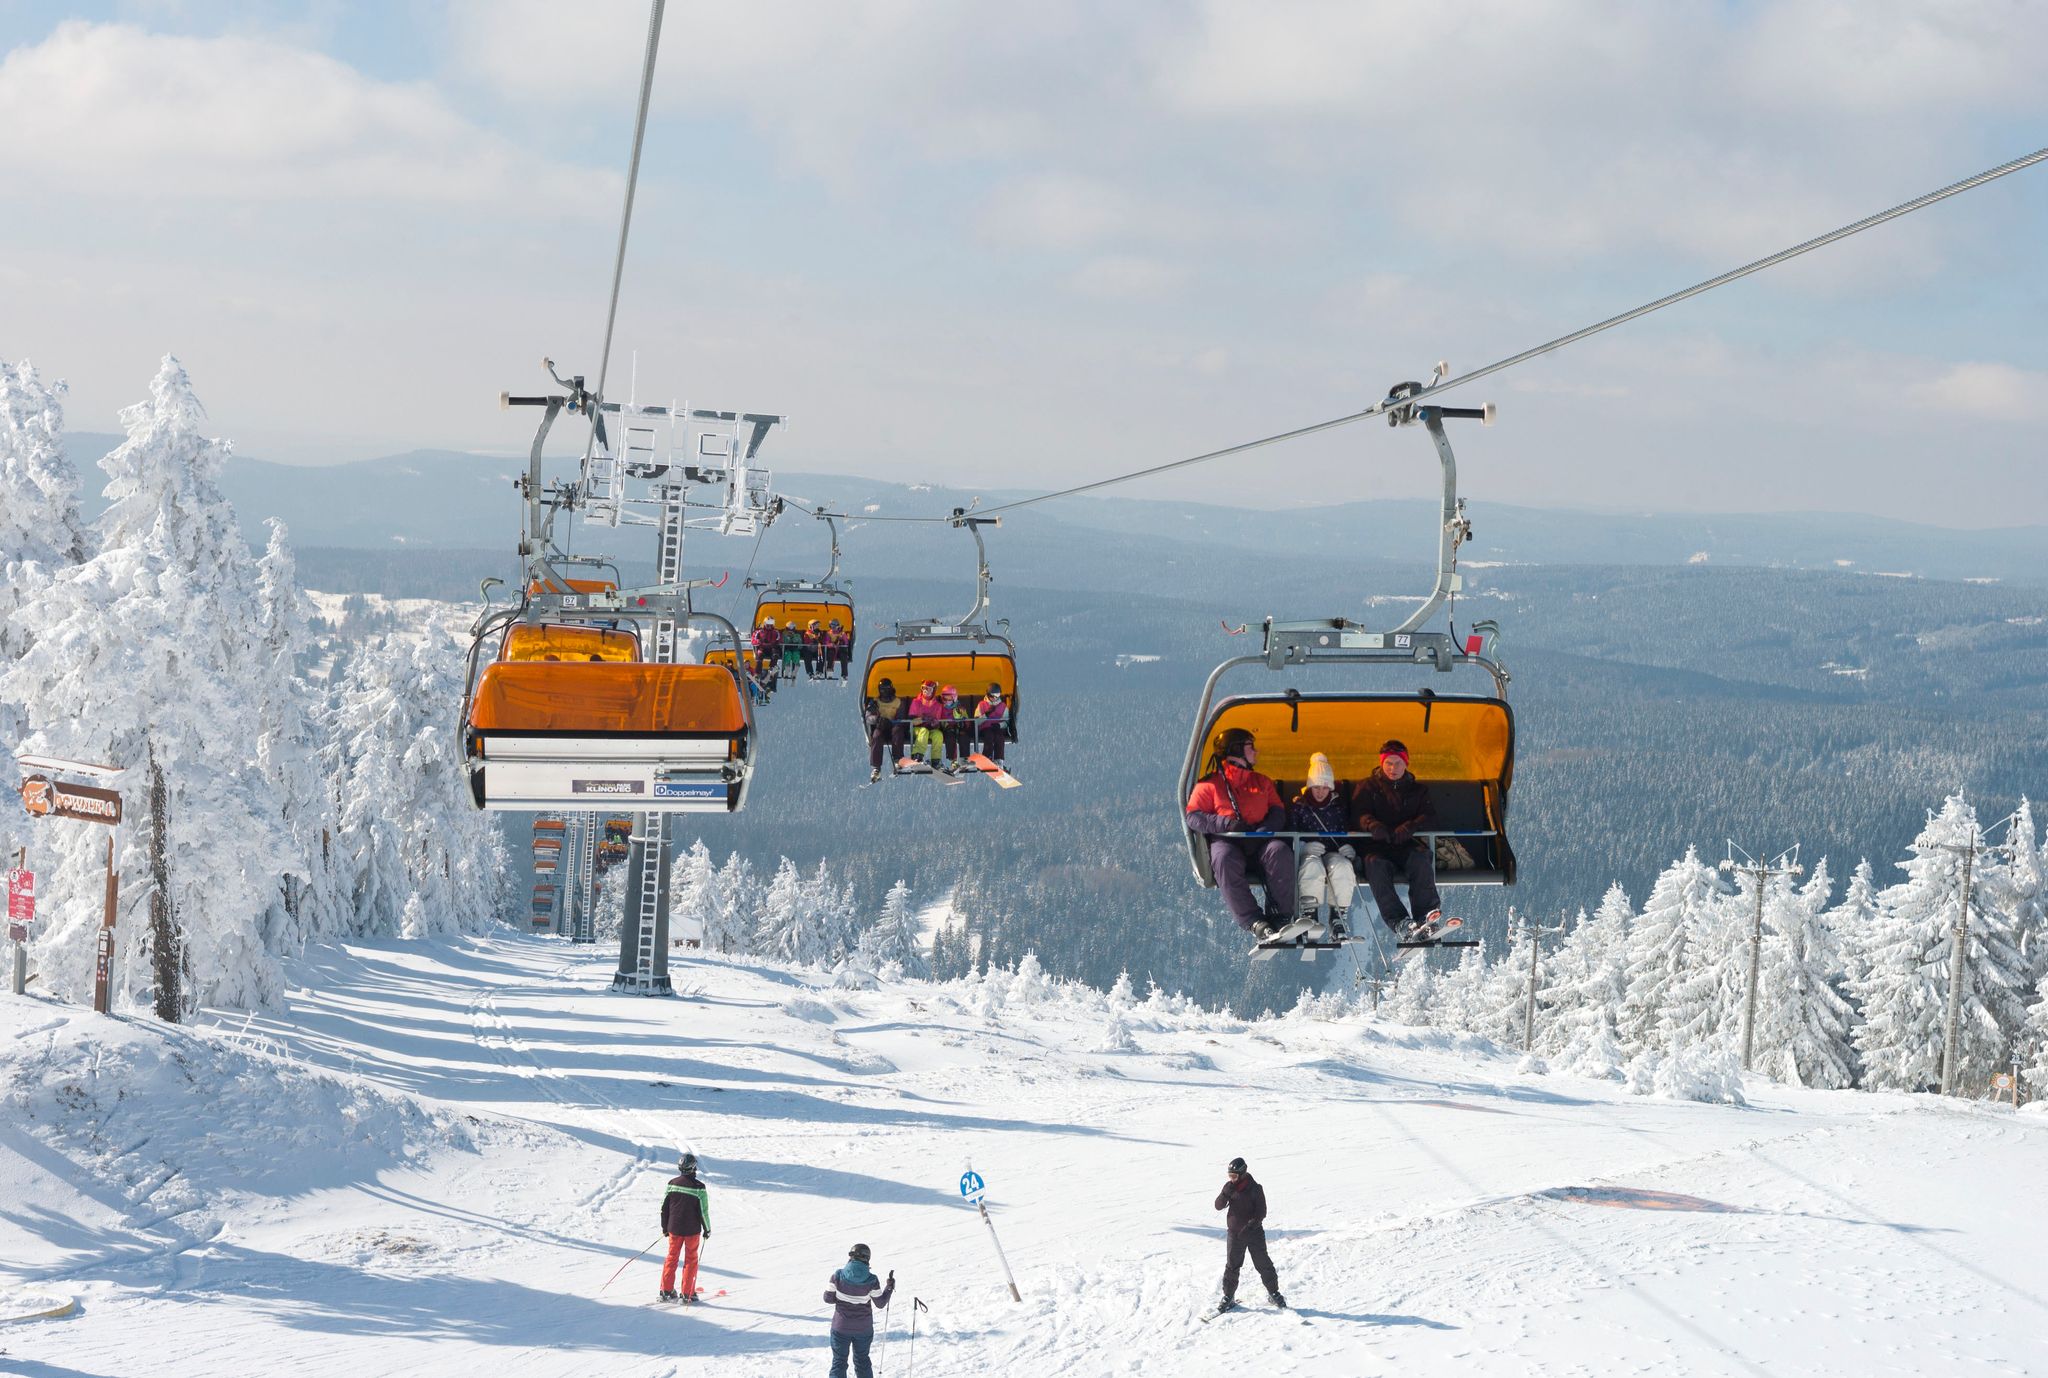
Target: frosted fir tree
<point>730,908</point>
<point>1705,1003</point>
<point>1683,900</point>
<point>1904,992</point>
<point>1589,976</point>
<point>2034,1043</point>
<point>1804,1028</point>
<point>1413,997</point>
<point>148,649</point>
<point>40,534</point>
<point>1030,986</point>
<point>894,938</point>
<point>836,916</point>
<point>1855,925</point>
<point>690,898</point>
<point>787,926</point>
<point>312,902</point>
<point>2022,886</point>
<point>407,826</point>
<point>1461,992</point>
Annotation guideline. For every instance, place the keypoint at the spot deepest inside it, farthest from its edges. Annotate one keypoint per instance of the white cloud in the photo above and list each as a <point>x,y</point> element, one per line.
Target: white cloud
<point>1124,277</point>
<point>1985,391</point>
<point>112,110</point>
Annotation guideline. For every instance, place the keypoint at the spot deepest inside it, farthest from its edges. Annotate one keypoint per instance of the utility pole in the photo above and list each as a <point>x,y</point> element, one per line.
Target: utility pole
<point>1535,936</point>
<point>1958,953</point>
<point>1784,864</point>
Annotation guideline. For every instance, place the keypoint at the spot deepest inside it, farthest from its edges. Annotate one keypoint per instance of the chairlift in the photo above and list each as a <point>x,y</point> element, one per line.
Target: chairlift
<point>569,715</point>
<point>966,652</point>
<point>1460,744</point>
<point>796,603</point>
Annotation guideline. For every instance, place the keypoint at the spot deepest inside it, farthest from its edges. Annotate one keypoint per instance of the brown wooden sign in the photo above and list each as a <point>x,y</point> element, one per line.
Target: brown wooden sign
<point>47,798</point>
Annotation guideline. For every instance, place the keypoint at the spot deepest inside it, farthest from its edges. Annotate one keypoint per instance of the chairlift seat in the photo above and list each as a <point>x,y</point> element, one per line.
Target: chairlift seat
<point>662,738</point>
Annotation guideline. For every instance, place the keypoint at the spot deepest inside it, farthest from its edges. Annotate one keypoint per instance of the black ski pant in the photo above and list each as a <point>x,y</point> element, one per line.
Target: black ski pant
<point>992,739</point>
<point>855,1346</point>
<point>1414,864</point>
<point>893,733</point>
<point>1249,1240</point>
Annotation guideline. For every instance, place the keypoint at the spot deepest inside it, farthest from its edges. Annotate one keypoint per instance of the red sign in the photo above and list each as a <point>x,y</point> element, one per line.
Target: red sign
<point>21,897</point>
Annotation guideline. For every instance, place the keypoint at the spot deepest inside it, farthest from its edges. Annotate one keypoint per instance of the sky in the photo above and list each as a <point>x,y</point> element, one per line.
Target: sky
<point>1029,245</point>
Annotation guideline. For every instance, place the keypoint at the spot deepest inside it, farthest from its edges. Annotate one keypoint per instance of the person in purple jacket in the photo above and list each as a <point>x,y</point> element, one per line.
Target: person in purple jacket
<point>852,1293</point>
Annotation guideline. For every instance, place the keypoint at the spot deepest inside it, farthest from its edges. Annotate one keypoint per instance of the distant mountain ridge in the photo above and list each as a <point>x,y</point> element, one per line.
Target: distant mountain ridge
<point>443,499</point>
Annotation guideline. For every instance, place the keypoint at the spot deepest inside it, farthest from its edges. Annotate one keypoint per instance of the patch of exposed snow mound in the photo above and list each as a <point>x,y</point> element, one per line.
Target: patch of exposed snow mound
<point>173,1120</point>
<point>1532,1066</point>
<point>803,1007</point>
<point>1709,1072</point>
<point>849,975</point>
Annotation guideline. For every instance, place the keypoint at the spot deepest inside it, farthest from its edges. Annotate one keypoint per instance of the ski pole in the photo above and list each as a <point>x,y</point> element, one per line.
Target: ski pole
<point>916,1305</point>
<point>629,1263</point>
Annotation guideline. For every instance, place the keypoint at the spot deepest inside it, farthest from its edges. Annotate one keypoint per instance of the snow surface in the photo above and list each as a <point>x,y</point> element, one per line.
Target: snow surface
<point>432,1157</point>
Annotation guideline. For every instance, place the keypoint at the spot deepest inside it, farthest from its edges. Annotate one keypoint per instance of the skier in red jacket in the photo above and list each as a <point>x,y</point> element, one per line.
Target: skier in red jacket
<point>1234,798</point>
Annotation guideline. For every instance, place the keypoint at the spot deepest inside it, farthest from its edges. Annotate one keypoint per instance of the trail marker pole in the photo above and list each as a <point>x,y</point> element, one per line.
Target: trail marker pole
<point>1760,874</point>
<point>973,1188</point>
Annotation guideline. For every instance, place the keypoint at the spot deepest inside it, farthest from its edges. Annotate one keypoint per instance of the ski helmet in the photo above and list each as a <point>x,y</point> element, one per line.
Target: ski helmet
<point>1231,743</point>
<point>1236,1165</point>
<point>687,1162</point>
<point>861,1252</point>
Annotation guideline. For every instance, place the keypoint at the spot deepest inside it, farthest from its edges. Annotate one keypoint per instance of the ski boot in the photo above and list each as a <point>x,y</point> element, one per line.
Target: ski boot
<point>669,1296</point>
<point>1277,1300</point>
<point>874,775</point>
<point>1227,1304</point>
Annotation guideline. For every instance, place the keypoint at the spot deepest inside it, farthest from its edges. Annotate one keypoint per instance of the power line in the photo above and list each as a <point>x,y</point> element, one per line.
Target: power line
<point>1380,408</point>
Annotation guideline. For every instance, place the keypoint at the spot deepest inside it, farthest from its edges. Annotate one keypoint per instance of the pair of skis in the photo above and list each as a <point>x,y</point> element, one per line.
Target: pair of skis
<point>1224,1308</point>
<point>1003,778</point>
<point>1308,937</point>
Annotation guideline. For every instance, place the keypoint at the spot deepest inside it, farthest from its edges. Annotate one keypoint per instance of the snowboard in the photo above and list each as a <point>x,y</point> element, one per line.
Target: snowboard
<point>993,771</point>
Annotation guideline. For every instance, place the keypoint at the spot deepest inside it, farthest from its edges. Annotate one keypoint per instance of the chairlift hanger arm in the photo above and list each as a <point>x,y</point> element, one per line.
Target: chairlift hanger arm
<point>973,525</point>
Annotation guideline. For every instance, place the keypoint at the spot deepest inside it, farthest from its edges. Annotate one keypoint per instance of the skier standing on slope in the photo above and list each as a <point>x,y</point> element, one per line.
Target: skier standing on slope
<point>1245,1199</point>
<point>853,1295</point>
<point>686,1220</point>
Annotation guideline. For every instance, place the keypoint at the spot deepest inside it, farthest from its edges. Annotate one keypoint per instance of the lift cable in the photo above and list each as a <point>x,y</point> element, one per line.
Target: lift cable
<point>611,317</point>
<point>1422,396</point>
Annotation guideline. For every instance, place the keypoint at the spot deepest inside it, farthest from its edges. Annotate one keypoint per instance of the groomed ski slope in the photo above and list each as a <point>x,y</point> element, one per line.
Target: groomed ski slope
<point>434,1157</point>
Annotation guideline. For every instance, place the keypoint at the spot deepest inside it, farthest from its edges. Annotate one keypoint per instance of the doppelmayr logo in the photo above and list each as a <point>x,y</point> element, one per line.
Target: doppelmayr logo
<point>608,787</point>
<point>668,789</point>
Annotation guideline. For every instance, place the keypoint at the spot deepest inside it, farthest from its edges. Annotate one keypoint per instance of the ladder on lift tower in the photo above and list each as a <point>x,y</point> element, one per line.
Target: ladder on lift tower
<point>648,859</point>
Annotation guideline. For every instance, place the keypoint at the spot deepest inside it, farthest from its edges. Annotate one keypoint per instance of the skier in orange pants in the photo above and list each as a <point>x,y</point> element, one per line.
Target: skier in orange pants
<point>686,1220</point>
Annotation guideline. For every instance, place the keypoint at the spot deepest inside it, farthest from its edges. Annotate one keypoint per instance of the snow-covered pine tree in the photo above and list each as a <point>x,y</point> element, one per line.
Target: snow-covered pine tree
<point>40,534</point>
<point>407,826</point>
<point>145,649</point>
<point>2034,1044</point>
<point>1588,980</point>
<point>1460,992</point>
<point>1658,948</point>
<point>1704,1005</point>
<point>835,916</point>
<point>1904,992</point>
<point>894,937</point>
<point>1412,1000</point>
<point>734,900</point>
<point>787,926</point>
<point>1855,926</point>
<point>690,897</point>
<point>312,902</point>
<point>1804,1027</point>
<point>2023,886</point>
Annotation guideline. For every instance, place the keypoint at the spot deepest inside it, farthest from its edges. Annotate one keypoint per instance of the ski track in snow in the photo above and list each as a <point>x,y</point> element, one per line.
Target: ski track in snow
<point>1432,1210</point>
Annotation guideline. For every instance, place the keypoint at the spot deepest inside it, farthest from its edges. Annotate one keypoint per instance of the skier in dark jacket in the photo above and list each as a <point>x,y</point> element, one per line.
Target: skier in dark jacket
<point>1392,806</point>
<point>854,1297</point>
<point>686,1220</point>
<point>1245,1199</point>
<point>1246,1227</point>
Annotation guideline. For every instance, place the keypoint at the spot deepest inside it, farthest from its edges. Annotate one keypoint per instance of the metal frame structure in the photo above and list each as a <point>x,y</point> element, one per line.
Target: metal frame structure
<point>1337,641</point>
<point>971,629</point>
